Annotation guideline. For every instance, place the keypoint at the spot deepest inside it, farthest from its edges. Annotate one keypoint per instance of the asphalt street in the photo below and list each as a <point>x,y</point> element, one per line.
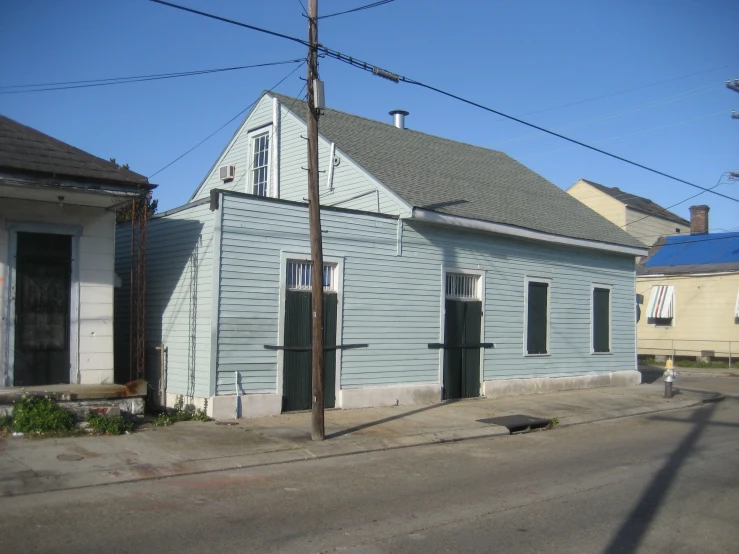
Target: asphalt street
<point>658,483</point>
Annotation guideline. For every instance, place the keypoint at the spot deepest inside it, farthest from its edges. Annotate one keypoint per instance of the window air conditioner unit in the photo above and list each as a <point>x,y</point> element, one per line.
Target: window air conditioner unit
<point>227,172</point>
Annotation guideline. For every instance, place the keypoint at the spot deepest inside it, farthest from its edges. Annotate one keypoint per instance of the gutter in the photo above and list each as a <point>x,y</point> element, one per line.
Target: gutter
<point>428,216</point>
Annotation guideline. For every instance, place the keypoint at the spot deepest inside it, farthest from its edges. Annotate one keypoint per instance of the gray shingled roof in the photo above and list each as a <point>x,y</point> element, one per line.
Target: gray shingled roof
<point>25,149</point>
<point>639,203</point>
<point>460,179</point>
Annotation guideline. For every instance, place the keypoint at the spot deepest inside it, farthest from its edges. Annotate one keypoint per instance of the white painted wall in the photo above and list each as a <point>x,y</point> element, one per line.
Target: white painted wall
<point>96,275</point>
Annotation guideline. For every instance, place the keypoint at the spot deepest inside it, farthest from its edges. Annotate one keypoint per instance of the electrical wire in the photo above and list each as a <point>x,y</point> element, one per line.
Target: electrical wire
<point>609,95</point>
<point>233,22</point>
<point>133,79</point>
<point>618,113</point>
<point>359,9</point>
<point>178,158</point>
<point>720,182</point>
<point>376,70</point>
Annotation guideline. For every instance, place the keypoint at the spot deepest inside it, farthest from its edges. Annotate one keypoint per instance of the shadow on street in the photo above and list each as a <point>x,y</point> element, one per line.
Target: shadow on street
<point>633,530</point>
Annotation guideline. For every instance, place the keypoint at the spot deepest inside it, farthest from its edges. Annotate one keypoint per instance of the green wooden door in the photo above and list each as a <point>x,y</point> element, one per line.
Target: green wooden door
<point>297,364</point>
<point>462,326</point>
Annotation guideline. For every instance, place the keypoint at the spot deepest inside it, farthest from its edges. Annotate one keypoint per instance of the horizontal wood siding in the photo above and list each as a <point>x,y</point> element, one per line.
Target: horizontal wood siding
<point>393,302</point>
<point>238,153</point>
<point>178,295</point>
<point>649,229</point>
<point>96,278</point>
<point>352,187</point>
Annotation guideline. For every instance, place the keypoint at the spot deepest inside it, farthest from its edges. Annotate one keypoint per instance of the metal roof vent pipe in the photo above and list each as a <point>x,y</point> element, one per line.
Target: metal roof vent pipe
<point>699,220</point>
<point>399,118</point>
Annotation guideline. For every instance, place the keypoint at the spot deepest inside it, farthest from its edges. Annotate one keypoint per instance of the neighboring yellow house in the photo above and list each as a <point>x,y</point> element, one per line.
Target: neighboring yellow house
<point>640,217</point>
<point>688,294</point>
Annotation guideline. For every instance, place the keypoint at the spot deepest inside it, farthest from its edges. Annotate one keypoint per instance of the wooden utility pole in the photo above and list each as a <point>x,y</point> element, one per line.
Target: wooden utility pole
<point>314,211</point>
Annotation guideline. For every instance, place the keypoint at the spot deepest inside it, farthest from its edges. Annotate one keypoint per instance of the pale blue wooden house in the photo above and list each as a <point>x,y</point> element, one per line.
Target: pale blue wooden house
<point>450,271</point>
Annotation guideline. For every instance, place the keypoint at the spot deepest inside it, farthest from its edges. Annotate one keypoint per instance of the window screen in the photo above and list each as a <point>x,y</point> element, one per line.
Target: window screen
<point>537,318</point>
<point>601,320</point>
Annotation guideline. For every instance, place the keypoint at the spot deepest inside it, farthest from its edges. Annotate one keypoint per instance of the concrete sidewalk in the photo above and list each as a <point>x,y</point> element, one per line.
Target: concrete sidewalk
<point>30,466</point>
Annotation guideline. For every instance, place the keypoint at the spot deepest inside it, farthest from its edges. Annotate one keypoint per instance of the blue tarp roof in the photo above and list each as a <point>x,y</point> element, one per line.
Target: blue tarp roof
<point>713,248</point>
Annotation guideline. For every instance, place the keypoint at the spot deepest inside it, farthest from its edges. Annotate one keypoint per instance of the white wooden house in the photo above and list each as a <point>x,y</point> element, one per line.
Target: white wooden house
<point>57,234</point>
<point>462,271</point>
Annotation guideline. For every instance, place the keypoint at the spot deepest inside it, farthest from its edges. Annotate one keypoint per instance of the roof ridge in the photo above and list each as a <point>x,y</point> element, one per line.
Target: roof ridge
<point>406,129</point>
<point>68,148</point>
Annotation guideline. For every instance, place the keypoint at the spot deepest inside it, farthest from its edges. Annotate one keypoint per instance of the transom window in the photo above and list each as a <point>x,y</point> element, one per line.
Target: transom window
<point>260,164</point>
<point>461,287</point>
<point>299,276</point>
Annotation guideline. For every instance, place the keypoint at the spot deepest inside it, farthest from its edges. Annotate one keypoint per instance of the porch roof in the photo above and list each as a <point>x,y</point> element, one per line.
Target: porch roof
<point>29,152</point>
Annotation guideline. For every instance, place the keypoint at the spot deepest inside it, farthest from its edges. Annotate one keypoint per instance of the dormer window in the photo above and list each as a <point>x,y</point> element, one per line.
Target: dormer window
<point>260,164</point>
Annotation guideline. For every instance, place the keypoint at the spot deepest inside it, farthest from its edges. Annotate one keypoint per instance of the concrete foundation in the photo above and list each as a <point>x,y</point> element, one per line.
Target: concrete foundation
<point>249,405</point>
<point>388,396</point>
<point>512,387</point>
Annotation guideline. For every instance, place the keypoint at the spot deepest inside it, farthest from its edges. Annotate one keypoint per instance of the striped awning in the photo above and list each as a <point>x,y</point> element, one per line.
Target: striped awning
<point>661,302</point>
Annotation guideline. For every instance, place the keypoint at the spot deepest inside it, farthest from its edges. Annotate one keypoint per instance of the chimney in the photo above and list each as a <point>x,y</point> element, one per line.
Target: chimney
<point>699,220</point>
<point>399,118</point>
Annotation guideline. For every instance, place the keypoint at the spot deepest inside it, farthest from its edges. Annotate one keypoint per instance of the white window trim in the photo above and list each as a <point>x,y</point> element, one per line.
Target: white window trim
<point>338,263</point>
<point>481,277</point>
<point>594,286</point>
<point>250,136</point>
<point>534,279</point>
<point>75,231</point>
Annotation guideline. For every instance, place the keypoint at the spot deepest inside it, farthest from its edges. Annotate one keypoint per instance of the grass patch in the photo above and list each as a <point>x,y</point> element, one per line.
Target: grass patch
<point>38,414</point>
<point>109,425</point>
<point>704,365</point>
<point>687,362</point>
<point>181,412</point>
<point>6,424</point>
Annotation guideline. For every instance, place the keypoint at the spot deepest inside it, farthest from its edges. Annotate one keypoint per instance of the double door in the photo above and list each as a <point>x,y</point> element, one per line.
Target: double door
<point>297,361</point>
<point>462,332</point>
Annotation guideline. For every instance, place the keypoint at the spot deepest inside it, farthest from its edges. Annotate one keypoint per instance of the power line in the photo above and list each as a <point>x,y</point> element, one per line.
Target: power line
<point>132,79</point>
<point>225,20</point>
<point>720,182</point>
<point>626,90</point>
<point>376,70</point>
<point>178,158</point>
<point>359,9</point>
<point>618,113</point>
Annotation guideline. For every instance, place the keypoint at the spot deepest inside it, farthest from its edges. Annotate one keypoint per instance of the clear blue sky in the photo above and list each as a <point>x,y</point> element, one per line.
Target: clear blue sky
<point>520,57</point>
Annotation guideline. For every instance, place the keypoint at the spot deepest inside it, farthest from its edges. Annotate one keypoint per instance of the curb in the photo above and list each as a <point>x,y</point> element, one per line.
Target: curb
<point>44,484</point>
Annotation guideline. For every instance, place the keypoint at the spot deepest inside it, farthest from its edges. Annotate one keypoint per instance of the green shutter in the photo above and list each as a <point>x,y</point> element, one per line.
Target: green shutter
<point>601,320</point>
<point>330,303</point>
<point>297,366</point>
<point>462,327</point>
<point>297,363</point>
<point>453,334</point>
<point>536,332</point>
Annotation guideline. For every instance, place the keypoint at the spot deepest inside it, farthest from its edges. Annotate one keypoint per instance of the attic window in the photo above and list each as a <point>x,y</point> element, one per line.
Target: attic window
<point>260,164</point>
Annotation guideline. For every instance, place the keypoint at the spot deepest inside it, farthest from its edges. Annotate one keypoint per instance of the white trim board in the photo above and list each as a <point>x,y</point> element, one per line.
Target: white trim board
<point>609,288</point>
<point>535,279</point>
<point>429,216</point>
<point>74,298</point>
<point>304,255</point>
<point>481,278</point>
